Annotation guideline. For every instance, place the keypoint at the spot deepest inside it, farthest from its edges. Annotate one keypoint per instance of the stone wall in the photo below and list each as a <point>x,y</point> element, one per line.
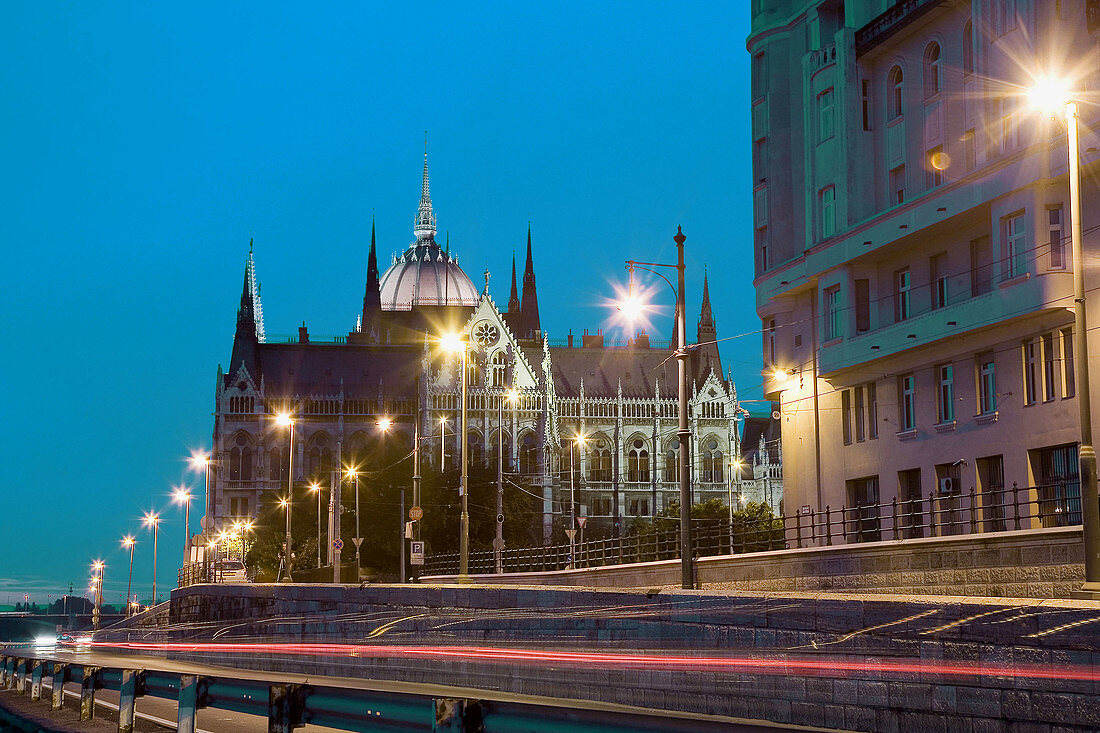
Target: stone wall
<point>1031,563</point>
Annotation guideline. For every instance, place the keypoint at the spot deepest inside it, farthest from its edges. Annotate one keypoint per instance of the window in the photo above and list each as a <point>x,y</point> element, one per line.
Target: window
<point>528,454</point>
<point>600,507</point>
<point>639,508</point>
<point>825,114</point>
<point>865,101</point>
<point>760,205</point>
<point>832,313</point>
<point>1002,16</point>
<point>1056,237</point>
<point>991,476</point>
<point>863,305</point>
<point>499,368</point>
<point>762,247</point>
<point>712,462</point>
<point>862,520</point>
<point>1069,378</point>
<point>945,388</point>
<point>846,413</point>
<point>1059,486</point>
<point>1050,372</point>
<point>934,163</point>
<point>968,48</point>
<point>769,341</point>
<point>238,507</point>
<point>637,462</point>
<point>970,160</point>
<point>987,384</point>
<point>894,91</point>
<point>672,462</point>
<point>932,70</point>
<point>760,160</point>
<point>759,77</point>
<point>859,414</point>
<point>827,210</point>
<point>897,185</point>
<point>1015,248</point>
<point>599,461</point>
<point>903,286</point>
<point>981,267</point>
<point>1010,125</point>
<point>872,410</point>
<point>907,402</point>
<point>909,503</point>
<point>937,266</point>
<point>277,464</point>
<point>759,119</point>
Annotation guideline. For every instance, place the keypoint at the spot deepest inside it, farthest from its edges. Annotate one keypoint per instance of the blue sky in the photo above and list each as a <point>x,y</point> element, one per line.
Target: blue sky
<point>144,144</point>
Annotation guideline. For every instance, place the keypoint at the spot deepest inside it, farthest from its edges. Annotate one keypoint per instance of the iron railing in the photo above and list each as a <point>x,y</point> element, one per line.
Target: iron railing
<point>1055,504</point>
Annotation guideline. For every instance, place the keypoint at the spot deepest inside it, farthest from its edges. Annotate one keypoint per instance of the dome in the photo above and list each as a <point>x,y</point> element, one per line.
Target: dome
<point>425,275</point>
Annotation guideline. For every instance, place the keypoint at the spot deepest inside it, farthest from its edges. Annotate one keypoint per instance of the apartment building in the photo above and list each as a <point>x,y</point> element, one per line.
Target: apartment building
<point>913,269</point>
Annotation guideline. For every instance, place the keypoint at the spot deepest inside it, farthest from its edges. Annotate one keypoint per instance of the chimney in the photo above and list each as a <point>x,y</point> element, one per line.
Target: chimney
<point>303,334</point>
<point>570,338</point>
<point>641,341</point>
<point>592,342</point>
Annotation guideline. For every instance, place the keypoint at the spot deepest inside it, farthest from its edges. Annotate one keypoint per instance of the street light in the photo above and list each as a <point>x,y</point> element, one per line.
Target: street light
<point>578,441</point>
<point>315,487</point>
<point>442,444</point>
<point>183,496</point>
<point>357,540</point>
<point>631,307</point>
<point>498,543</point>
<point>152,519</point>
<point>453,342</point>
<point>97,583</point>
<point>201,461</point>
<point>283,419</point>
<point>128,541</point>
<point>1052,95</point>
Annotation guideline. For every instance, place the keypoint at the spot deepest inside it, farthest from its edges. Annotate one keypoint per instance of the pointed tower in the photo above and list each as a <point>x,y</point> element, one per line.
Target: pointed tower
<point>529,308</point>
<point>424,228</point>
<point>707,337</point>
<point>513,298</point>
<point>250,324</point>
<point>372,298</point>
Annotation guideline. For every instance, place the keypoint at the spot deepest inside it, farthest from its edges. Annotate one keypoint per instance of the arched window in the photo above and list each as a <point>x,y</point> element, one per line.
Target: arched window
<point>498,367</point>
<point>968,48</point>
<point>246,463</point>
<point>240,459</point>
<point>476,448</point>
<point>599,460</point>
<point>528,454</point>
<point>932,77</point>
<point>494,448</point>
<point>672,462</point>
<point>275,464</point>
<point>712,462</point>
<point>637,462</point>
<point>894,93</point>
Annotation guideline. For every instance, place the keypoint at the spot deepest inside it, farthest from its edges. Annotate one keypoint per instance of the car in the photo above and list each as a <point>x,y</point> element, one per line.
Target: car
<point>231,571</point>
<point>65,639</point>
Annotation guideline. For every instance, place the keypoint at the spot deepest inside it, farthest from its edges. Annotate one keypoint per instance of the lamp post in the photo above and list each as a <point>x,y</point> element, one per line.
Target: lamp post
<point>454,342</point>
<point>285,420</point>
<point>578,441</point>
<point>97,580</point>
<point>1053,96</point>
<point>632,308</point>
<point>357,540</point>
<point>183,496</point>
<point>442,444</point>
<point>316,488</point>
<point>152,519</point>
<point>285,504</point>
<point>498,543</point>
<point>202,461</point>
<point>128,541</point>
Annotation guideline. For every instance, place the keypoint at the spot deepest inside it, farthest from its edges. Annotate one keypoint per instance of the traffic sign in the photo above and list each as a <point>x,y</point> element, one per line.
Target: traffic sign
<point>581,521</point>
<point>571,533</point>
<point>416,513</point>
<point>357,541</point>
<point>416,553</point>
<point>498,543</point>
<point>337,544</point>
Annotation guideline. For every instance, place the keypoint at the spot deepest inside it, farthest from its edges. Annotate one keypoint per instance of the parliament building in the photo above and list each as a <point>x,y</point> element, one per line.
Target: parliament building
<point>621,397</point>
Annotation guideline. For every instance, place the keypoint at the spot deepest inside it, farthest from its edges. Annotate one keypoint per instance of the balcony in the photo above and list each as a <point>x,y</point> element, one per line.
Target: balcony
<point>892,21</point>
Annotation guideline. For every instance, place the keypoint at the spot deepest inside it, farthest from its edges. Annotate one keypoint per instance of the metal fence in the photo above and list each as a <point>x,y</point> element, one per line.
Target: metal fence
<point>936,515</point>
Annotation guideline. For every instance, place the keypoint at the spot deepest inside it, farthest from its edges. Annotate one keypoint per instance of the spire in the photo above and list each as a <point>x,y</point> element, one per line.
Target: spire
<point>513,298</point>
<point>250,322</point>
<point>708,358</point>
<point>529,308</point>
<point>706,315</point>
<point>372,298</point>
<point>424,228</point>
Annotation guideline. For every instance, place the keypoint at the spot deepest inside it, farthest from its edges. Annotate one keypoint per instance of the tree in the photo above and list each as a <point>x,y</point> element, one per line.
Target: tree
<point>755,528</point>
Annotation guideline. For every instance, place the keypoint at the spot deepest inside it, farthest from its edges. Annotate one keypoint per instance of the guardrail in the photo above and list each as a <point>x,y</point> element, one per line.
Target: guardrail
<point>939,514</point>
<point>292,705</point>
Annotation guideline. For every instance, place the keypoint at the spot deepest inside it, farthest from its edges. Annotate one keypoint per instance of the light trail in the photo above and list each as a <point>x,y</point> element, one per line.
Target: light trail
<point>827,666</point>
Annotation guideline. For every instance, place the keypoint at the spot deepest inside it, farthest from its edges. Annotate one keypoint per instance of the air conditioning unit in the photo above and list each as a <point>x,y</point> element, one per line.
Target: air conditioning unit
<point>949,485</point>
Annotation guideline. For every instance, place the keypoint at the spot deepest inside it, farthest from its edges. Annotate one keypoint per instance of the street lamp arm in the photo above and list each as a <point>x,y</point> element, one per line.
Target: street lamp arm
<point>632,265</point>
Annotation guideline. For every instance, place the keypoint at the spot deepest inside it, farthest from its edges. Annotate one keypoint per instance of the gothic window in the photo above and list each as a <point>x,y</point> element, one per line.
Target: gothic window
<point>712,462</point>
<point>894,93</point>
<point>240,459</point>
<point>528,454</point>
<point>494,448</point>
<point>599,460</point>
<point>276,464</point>
<point>637,462</point>
<point>672,462</point>
<point>476,448</point>
<point>498,368</point>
